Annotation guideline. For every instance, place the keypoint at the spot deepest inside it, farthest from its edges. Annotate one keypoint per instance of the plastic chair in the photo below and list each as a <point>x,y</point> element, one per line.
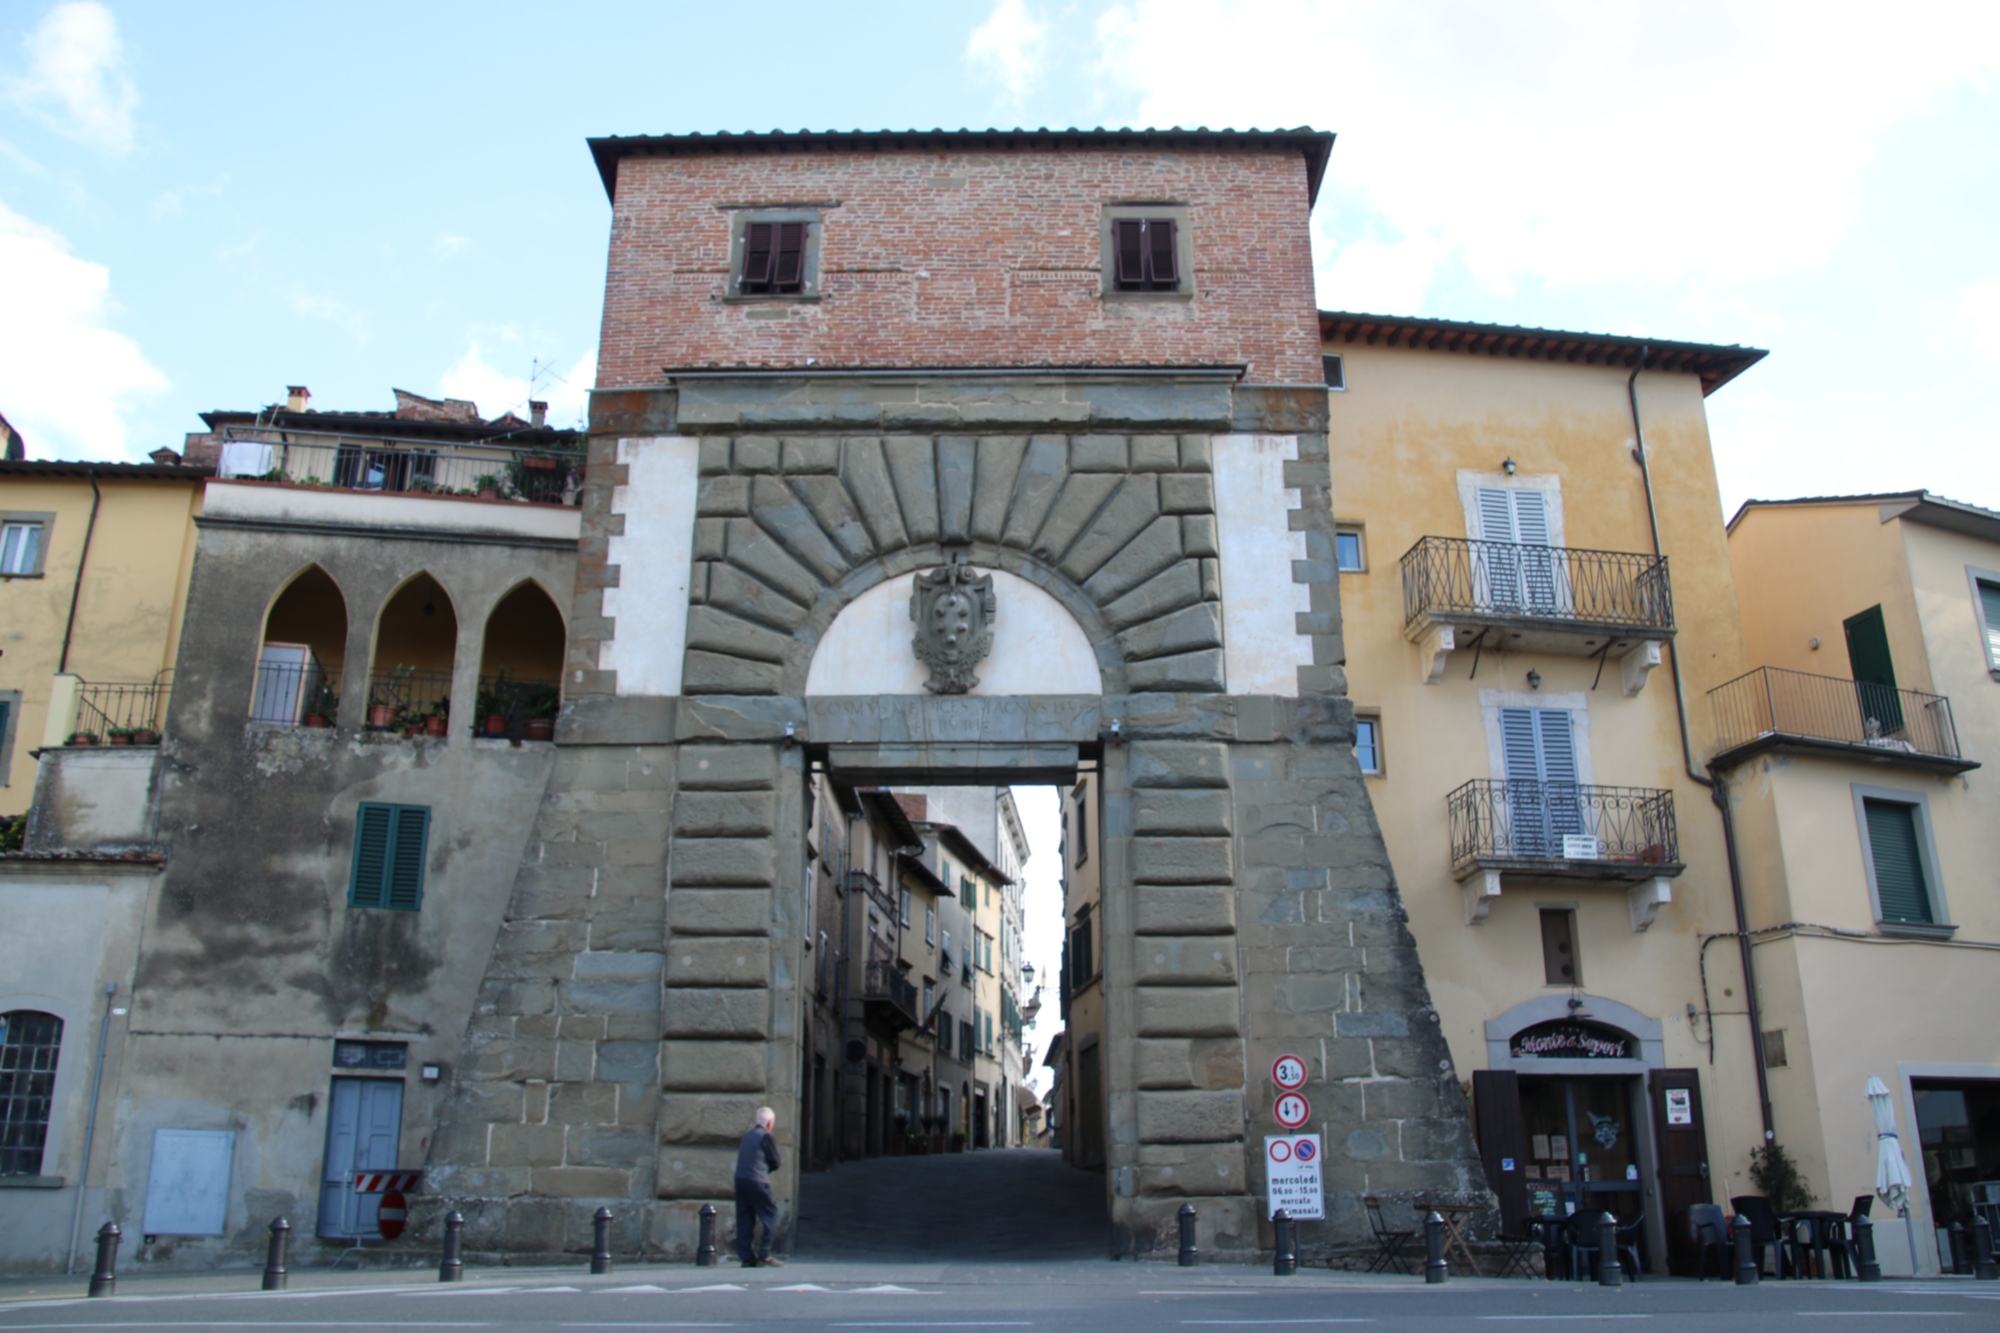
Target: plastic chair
<point>1710,1237</point>
<point>1582,1231</point>
<point>1628,1247</point>
<point>1764,1232</point>
<point>1390,1243</point>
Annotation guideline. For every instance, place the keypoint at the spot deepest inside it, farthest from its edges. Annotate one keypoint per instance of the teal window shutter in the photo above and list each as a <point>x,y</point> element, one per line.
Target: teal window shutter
<point>366,886</point>
<point>1899,867</point>
<point>390,842</point>
<point>406,866</point>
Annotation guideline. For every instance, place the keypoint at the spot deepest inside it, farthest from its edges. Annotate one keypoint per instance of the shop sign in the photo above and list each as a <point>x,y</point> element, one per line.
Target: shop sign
<point>1567,1039</point>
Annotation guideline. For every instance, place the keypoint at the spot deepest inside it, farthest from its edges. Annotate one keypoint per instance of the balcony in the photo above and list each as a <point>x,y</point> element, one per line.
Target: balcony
<point>486,471</point>
<point>888,998</point>
<point>1552,599</point>
<point>1792,711</point>
<point>1562,830</point>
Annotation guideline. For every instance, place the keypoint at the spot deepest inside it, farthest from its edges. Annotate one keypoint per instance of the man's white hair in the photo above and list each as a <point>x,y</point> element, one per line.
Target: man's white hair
<point>766,1117</point>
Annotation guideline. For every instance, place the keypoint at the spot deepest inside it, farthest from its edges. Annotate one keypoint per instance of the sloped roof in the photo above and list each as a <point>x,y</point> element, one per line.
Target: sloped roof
<point>1917,506</point>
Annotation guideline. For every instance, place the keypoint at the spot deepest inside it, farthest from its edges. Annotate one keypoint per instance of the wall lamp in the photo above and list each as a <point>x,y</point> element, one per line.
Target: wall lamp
<point>1508,467</point>
<point>1534,680</point>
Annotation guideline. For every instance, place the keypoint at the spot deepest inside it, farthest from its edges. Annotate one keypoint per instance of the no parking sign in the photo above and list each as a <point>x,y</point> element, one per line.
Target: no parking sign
<point>1292,1172</point>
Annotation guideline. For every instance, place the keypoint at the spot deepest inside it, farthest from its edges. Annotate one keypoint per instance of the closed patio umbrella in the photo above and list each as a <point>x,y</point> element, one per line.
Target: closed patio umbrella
<point>1892,1173</point>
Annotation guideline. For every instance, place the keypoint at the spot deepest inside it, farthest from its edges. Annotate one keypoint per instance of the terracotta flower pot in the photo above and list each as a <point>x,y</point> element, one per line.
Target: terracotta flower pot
<point>434,726</point>
<point>145,736</point>
<point>496,725</point>
<point>542,729</point>
<point>382,717</point>
<point>318,721</point>
<point>83,738</point>
<point>121,739</point>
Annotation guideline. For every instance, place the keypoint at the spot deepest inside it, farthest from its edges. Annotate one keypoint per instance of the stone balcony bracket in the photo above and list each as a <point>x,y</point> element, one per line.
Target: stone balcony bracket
<point>1638,663</point>
<point>1643,898</point>
<point>1434,650</point>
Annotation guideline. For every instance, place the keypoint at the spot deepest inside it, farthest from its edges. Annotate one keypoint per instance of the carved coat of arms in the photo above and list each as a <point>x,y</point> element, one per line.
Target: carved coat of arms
<point>953,610</point>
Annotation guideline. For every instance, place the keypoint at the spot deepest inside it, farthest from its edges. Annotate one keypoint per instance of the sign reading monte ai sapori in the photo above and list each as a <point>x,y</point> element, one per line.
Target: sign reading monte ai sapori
<point>1291,1170</point>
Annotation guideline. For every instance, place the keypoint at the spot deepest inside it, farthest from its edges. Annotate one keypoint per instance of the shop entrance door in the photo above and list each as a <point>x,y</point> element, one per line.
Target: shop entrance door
<point>1582,1142</point>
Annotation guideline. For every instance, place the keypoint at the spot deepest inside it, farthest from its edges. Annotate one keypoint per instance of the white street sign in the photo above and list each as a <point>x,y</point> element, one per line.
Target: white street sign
<point>1291,1170</point>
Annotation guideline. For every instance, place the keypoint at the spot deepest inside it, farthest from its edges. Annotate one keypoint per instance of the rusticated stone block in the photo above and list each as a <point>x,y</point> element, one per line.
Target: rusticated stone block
<point>1155,453</point>
<point>811,453</point>
<point>1187,1011</point>
<point>1191,628</point>
<point>1180,860</point>
<point>1191,1117</point>
<point>1178,812</point>
<point>719,912</point>
<point>1179,764</point>
<point>1177,586</point>
<point>707,1120</point>
<point>688,1171</point>
<point>717,1013</point>
<point>1206,910</point>
<point>1196,960</point>
<point>1097,453</point>
<point>712,1066</point>
<point>1192,1170</point>
<point>756,454</point>
<point>719,961</point>
<point>714,630</point>
<point>727,767</point>
<point>713,673</point>
<point>583,1182</point>
<point>723,862</point>
<point>1190,1062</point>
<point>525,1145</point>
<point>706,814</point>
<point>1187,493</point>
<point>1196,672</point>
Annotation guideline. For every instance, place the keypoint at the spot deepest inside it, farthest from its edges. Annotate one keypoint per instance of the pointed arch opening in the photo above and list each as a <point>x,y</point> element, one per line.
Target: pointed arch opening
<point>520,665</point>
<point>299,661</point>
<point>416,645</point>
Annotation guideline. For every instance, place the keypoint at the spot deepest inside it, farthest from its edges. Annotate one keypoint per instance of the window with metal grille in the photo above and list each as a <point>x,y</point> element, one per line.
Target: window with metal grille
<point>389,849</point>
<point>774,259</point>
<point>1148,259</point>
<point>30,1043</point>
<point>1902,889</point>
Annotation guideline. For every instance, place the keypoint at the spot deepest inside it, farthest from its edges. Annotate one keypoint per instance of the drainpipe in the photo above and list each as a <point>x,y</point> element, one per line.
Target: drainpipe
<point>90,1127</point>
<point>1718,790</point>
<point>76,590</point>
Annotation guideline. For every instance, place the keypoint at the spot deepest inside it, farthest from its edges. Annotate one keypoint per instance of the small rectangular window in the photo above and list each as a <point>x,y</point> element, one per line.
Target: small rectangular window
<point>1336,373</point>
<point>1368,745</point>
<point>1082,794</point>
<point>1347,551</point>
<point>1146,255</point>
<point>1902,889</point>
<point>1559,961</point>
<point>903,907</point>
<point>1080,952</point>
<point>10,715</point>
<point>773,259</point>
<point>968,891</point>
<point>1989,617</point>
<point>930,925</point>
<point>390,843</point>
<point>20,548</point>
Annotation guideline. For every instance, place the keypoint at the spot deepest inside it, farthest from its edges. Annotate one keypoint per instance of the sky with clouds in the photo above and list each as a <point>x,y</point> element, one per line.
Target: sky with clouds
<point>202,203</point>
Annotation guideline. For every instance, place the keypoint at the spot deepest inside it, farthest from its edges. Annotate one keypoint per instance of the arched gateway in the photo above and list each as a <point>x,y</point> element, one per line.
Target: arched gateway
<point>1158,534</point>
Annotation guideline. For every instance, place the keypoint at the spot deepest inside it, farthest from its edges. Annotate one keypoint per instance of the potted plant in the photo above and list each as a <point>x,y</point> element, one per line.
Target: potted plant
<point>487,486</point>
<point>386,707</point>
<point>145,736</point>
<point>121,735</point>
<point>82,738</point>
<point>439,717</point>
<point>540,706</point>
<point>958,1140</point>
<point>323,706</point>
<point>489,714</point>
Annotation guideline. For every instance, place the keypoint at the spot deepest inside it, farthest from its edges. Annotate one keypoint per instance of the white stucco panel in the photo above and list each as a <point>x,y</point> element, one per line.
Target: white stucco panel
<point>1038,648</point>
<point>1262,646</point>
<point>655,560</point>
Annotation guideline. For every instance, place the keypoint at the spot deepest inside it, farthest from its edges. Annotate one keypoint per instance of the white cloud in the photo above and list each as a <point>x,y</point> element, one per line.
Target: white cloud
<point>1569,144</point>
<point>1012,46</point>
<point>1980,310</point>
<point>449,243</point>
<point>76,80</point>
<point>67,376</point>
<point>566,392</point>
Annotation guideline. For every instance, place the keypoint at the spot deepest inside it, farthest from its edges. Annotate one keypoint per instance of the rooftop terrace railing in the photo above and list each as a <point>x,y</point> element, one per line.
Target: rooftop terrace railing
<point>124,712</point>
<point>1774,704</point>
<point>1454,576</point>
<point>490,471</point>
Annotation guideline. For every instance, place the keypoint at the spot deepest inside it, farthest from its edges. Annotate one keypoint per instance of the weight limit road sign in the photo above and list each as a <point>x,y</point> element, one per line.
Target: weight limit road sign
<point>1289,1072</point>
<point>1293,1110</point>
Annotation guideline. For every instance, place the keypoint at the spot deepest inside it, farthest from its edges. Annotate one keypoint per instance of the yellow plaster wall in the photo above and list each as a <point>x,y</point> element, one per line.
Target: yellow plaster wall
<point>1955,652</point>
<point>1408,421</point>
<point>128,610</point>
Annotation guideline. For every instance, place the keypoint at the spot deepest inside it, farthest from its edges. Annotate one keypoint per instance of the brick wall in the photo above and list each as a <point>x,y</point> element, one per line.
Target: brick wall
<point>962,259</point>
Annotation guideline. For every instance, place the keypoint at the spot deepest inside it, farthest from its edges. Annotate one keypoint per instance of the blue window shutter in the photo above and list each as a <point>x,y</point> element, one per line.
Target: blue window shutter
<point>405,891</point>
<point>1899,867</point>
<point>367,885</point>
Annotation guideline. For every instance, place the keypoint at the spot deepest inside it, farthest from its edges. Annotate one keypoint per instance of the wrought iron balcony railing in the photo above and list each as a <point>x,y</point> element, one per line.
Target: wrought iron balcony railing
<point>885,987</point>
<point>124,712</point>
<point>1772,706</point>
<point>1563,827</point>
<point>1451,576</point>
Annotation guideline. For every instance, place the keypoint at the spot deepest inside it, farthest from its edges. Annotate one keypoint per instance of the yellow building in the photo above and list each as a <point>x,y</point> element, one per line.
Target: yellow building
<point>1536,596</point>
<point>1077,1099</point>
<point>1869,835</point>
<point>94,563</point>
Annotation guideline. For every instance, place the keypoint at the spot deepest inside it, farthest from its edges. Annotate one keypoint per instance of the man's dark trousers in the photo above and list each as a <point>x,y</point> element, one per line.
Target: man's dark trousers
<point>755,1203</point>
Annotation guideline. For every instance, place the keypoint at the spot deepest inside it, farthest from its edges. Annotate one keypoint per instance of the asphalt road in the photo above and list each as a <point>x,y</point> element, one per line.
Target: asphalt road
<point>1006,1204</point>
<point>1099,1296</point>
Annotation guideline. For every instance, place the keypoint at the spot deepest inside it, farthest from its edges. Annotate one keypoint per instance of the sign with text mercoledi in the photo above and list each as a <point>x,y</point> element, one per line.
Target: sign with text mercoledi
<point>1292,1174</point>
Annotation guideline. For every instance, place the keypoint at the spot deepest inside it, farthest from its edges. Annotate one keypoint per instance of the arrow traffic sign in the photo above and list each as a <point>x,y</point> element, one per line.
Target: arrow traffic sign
<point>1292,1110</point>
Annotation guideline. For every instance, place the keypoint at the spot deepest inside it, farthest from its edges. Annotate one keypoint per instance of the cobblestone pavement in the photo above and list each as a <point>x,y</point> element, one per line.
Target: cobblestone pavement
<point>1005,1204</point>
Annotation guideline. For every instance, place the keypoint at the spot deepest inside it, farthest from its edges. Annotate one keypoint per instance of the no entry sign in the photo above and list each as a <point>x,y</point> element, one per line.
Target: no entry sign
<point>390,1216</point>
<point>1292,1110</point>
<point>1291,1172</point>
<point>1288,1072</point>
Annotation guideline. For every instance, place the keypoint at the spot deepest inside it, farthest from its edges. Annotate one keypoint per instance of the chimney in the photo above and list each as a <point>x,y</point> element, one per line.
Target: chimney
<point>164,457</point>
<point>538,413</point>
<point>296,396</point>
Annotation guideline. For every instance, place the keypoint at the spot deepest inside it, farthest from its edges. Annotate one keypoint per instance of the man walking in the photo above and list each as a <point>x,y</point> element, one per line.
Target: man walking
<point>756,1158</point>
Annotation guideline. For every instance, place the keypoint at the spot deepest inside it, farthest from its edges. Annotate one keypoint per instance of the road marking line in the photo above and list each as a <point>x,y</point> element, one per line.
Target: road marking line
<point>720,1286</point>
<point>1878,1314</point>
<point>643,1286</point>
<point>1235,1322</point>
<point>941,1323</point>
<point>1538,1318</point>
<point>266,1323</point>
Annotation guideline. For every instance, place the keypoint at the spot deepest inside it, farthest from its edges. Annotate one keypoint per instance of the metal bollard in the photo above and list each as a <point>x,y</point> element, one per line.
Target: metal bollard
<point>451,1268</point>
<point>1983,1266</point>
<point>1188,1251</point>
<point>1747,1273</point>
<point>704,1252</point>
<point>1961,1251</point>
<point>1864,1249</point>
<point>1610,1273</point>
<point>600,1243</point>
<point>274,1259</point>
<point>1285,1261</point>
<point>104,1282</point>
<point>1435,1269</point>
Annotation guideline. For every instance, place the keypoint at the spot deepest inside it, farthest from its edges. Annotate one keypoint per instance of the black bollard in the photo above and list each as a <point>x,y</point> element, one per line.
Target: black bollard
<point>600,1243</point>
<point>1747,1273</point>
<point>1983,1266</point>
<point>1434,1265</point>
<point>1961,1251</point>
<point>1610,1273</point>
<point>451,1268</point>
<point>1285,1261</point>
<point>274,1258</point>
<point>1188,1251</point>
<point>704,1251</point>
<point>104,1282</point>
<point>1864,1248</point>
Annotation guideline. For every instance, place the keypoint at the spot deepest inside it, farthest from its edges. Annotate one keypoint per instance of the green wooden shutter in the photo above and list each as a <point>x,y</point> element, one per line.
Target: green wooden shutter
<point>406,863</point>
<point>367,886</point>
<point>1899,868</point>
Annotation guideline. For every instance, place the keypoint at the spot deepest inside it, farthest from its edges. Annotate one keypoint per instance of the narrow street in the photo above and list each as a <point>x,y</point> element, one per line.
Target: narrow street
<point>1005,1204</point>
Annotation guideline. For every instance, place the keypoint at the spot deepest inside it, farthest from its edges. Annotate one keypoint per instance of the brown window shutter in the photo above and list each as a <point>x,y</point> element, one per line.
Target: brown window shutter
<point>757,249</point>
<point>789,255</point>
<point>1160,250</point>
<point>1129,239</point>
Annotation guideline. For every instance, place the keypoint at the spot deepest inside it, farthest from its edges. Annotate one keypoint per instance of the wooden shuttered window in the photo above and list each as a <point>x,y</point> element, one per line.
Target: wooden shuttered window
<point>1146,256</point>
<point>774,258</point>
<point>1900,884</point>
<point>390,843</point>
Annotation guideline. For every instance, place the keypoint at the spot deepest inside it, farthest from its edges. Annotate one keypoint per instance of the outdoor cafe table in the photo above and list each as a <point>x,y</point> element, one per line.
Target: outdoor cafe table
<point>1454,1215</point>
<point>1825,1232</point>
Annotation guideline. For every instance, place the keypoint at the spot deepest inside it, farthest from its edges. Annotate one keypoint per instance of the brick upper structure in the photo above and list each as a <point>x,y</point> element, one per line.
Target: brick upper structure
<point>961,250</point>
